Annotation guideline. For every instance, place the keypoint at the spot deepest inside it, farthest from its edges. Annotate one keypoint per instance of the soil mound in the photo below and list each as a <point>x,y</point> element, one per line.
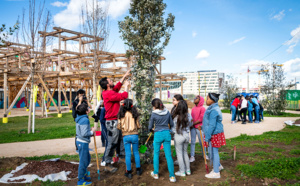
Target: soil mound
<point>48,167</point>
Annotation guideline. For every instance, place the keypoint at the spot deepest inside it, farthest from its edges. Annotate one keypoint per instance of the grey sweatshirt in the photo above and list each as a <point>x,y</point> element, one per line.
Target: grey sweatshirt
<point>184,130</point>
<point>160,119</point>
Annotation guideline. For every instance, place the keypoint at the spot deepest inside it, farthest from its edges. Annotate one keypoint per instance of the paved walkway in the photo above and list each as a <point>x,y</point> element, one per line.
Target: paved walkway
<point>66,145</point>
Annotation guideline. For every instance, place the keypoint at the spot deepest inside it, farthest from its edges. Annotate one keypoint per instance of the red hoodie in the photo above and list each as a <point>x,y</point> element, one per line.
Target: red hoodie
<point>236,102</point>
<point>112,100</point>
<point>198,112</point>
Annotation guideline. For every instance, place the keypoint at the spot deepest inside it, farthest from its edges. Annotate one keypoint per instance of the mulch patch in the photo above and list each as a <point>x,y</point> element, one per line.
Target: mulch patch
<point>19,180</point>
<point>48,167</point>
<point>229,176</point>
<point>297,121</point>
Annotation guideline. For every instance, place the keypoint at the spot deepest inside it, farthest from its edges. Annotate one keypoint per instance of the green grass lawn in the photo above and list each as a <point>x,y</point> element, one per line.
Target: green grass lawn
<point>45,128</point>
<point>283,114</point>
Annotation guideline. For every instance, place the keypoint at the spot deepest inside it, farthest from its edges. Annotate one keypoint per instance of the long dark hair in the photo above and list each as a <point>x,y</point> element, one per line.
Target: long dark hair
<point>178,97</point>
<point>128,106</point>
<point>157,104</point>
<point>181,112</point>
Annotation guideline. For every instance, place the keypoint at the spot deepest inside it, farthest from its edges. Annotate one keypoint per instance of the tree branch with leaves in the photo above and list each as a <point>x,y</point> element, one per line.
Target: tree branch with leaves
<point>146,32</point>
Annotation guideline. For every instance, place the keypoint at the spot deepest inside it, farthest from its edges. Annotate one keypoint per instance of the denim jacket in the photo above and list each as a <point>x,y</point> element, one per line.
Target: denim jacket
<point>212,121</point>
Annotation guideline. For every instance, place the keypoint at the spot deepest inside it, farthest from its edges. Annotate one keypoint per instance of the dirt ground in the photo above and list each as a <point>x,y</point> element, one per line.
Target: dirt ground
<point>229,176</point>
<point>66,145</point>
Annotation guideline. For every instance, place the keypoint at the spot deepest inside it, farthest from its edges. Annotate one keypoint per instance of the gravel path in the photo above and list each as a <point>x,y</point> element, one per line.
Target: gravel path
<point>66,145</point>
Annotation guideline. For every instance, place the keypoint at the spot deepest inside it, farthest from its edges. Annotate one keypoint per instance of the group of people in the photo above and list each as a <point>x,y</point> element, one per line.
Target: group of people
<point>241,105</point>
<point>120,126</point>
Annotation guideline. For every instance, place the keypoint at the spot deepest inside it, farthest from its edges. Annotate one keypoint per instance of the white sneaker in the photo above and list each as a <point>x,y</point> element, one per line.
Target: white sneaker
<point>103,164</point>
<point>221,168</point>
<point>172,179</point>
<point>212,174</point>
<point>155,176</point>
<point>192,159</point>
<point>188,172</point>
<point>180,173</point>
<point>206,157</point>
<point>176,162</point>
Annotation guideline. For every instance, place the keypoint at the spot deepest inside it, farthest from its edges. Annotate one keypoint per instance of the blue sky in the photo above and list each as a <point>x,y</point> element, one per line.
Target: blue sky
<point>209,34</point>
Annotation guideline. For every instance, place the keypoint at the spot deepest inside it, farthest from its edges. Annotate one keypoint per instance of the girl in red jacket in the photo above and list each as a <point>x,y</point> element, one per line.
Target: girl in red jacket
<point>197,114</point>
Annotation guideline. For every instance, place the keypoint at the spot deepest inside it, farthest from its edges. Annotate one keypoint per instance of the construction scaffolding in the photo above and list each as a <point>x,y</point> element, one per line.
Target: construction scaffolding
<point>61,70</point>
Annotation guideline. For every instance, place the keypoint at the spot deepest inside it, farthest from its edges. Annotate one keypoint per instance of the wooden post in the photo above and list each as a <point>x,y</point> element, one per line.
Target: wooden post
<point>59,97</point>
<point>8,94</point>
<point>5,120</point>
<point>59,79</point>
<point>182,87</point>
<point>43,102</point>
<point>71,103</point>
<point>18,95</point>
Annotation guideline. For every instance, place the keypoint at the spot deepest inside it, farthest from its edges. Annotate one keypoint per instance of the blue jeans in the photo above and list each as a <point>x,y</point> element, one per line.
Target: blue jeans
<point>250,117</point>
<point>84,158</point>
<point>163,137</point>
<point>134,141</point>
<point>216,159</point>
<point>194,133</point>
<point>257,113</point>
<point>233,112</point>
<point>261,114</point>
<point>103,134</point>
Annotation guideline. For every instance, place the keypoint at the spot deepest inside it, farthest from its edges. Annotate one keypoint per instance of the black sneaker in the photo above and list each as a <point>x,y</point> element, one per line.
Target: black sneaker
<point>243,122</point>
<point>128,174</point>
<point>110,168</point>
<point>139,171</point>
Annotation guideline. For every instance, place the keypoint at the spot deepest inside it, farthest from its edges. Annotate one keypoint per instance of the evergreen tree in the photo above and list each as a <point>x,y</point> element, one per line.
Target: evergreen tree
<point>147,33</point>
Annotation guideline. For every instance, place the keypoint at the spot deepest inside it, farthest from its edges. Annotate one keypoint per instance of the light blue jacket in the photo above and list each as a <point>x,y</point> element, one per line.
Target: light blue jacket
<point>250,106</point>
<point>212,121</point>
<point>254,100</point>
<point>83,128</point>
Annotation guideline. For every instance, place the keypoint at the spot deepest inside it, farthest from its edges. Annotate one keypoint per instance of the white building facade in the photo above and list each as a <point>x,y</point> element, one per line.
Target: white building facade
<point>202,82</point>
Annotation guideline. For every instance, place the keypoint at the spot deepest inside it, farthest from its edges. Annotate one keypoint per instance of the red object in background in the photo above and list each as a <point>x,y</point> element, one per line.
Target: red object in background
<point>98,133</point>
<point>161,147</point>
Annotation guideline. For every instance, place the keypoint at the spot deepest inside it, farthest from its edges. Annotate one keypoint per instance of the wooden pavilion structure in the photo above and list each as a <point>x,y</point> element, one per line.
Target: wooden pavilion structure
<point>61,69</point>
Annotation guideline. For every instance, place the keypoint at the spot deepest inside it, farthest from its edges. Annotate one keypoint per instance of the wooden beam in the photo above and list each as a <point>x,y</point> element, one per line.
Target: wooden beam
<point>65,95</point>
<point>5,94</point>
<point>17,96</point>
<point>48,92</point>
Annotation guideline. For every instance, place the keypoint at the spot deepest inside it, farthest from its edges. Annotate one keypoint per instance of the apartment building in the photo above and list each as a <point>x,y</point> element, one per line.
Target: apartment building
<point>203,81</point>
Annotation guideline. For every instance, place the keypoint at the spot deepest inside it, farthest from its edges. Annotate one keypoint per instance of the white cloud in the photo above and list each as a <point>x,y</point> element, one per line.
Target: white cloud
<point>294,41</point>
<point>292,67</point>
<point>59,4</point>
<point>70,17</point>
<point>116,7</point>
<point>194,34</point>
<point>236,41</point>
<point>202,54</point>
<point>278,16</point>
<point>290,9</point>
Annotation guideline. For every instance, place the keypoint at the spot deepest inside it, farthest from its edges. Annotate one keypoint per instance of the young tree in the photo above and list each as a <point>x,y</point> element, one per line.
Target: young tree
<point>96,23</point>
<point>35,21</point>
<point>147,33</point>
<point>274,88</point>
<point>4,33</point>
<point>229,90</point>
